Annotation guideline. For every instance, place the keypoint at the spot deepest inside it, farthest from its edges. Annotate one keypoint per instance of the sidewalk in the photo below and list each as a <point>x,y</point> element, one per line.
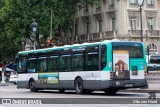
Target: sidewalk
<point>5,84</point>
<point>153,86</point>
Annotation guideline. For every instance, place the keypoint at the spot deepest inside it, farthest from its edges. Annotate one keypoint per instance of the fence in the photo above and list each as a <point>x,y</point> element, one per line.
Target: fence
<point>153,77</point>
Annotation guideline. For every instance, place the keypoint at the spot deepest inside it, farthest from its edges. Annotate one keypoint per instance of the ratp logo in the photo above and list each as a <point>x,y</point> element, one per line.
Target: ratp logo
<point>6,101</point>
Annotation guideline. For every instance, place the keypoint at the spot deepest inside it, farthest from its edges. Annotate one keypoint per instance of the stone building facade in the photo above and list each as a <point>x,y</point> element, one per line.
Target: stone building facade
<point>119,19</point>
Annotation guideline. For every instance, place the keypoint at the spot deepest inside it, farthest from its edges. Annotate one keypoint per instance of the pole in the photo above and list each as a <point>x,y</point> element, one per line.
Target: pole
<point>23,47</point>
<point>140,9</point>
<point>3,80</point>
<point>34,40</point>
<point>148,54</point>
<point>51,23</point>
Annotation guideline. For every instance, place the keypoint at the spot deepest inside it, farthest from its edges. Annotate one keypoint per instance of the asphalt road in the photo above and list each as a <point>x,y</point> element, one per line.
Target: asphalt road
<point>12,92</point>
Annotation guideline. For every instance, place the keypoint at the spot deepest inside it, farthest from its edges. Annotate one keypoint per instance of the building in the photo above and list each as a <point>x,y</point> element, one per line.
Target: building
<point>119,19</point>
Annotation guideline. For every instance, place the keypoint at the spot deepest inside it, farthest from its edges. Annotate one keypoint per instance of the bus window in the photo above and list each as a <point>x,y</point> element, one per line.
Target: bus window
<point>155,59</point>
<point>22,65</point>
<point>42,64</point>
<point>31,65</point>
<point>66,63</point>
<point>52,64</point>
<point>92,61</point>
<point>78,62</point>
<point>154,62</point>
<point>135,49</point>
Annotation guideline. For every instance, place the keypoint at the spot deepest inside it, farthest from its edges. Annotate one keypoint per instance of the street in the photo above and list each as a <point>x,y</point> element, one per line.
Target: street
<point>97,98</point>
<point>12,92</point>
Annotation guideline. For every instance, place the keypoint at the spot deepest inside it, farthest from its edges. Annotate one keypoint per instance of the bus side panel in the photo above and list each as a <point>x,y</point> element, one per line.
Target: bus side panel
<point>23,79</point>
<point>137,69</point>
<point>91,79</point>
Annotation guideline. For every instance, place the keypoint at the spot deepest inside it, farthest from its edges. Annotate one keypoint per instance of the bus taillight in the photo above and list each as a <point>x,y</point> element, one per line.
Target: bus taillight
<point>111,75</point>
<point>145,71</point>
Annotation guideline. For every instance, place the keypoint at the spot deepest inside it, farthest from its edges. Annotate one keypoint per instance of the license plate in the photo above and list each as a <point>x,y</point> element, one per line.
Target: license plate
<point>128,85</point>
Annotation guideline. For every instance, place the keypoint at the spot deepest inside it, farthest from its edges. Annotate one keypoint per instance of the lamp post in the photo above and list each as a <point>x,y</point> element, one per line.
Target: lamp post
<point>23,42</point>
<point>140,3</point>
<point>3,77</point>
<point>34,26</point>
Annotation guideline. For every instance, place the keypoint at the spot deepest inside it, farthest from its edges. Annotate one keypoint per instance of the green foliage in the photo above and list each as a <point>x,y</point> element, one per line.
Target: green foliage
<point>16,18</point>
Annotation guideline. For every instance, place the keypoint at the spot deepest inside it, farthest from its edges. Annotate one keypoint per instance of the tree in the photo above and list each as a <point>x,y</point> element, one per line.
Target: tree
<point>16,18</point>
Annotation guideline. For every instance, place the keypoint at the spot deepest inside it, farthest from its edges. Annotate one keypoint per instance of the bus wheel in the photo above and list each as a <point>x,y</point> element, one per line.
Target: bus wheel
<point>110,91</point>
<point>79,86</point>
<point>61,90</point>
<point>32,86</point>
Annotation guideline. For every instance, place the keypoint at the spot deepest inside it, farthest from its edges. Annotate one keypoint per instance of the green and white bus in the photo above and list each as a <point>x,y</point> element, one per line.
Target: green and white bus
<point>108,66</point>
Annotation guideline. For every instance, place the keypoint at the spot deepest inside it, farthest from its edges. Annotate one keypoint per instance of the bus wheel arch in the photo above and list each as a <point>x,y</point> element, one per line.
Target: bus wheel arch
<point>78,85</point>
<point>32,85</point>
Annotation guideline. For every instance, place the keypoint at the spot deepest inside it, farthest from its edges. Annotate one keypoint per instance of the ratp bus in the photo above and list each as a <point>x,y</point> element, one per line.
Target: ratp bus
<point>108,66</point>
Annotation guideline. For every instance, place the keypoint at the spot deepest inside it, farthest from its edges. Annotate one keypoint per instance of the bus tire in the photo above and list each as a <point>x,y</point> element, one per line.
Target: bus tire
<point>110,91</point>
<point>61,90</point>
<point>32,86</point>
<point>78,85</point>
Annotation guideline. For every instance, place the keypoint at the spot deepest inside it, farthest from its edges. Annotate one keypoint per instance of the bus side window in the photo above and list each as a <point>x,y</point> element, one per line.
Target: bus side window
<point>52,64</point>
<point>31,65</point>
<point>42,64</point>
<point>92,61</point>
<point>66,65</point>
<point>22,65</point>
<point>78,62</point>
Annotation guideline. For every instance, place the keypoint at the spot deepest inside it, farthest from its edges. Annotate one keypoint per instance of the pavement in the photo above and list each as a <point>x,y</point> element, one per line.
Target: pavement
<point>5,84</point>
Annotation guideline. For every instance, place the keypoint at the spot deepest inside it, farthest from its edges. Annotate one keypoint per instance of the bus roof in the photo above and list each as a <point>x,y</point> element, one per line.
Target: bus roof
<point>73,46</point>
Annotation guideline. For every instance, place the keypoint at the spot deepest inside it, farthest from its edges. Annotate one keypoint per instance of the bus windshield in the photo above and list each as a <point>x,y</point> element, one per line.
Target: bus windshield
<point>135,49</point>
<point>155,59</point>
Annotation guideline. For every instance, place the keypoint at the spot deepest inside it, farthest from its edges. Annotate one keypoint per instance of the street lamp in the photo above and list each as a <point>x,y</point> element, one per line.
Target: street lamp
<point>23,42</point>
<point>140,3</point>
<point>34,26</point>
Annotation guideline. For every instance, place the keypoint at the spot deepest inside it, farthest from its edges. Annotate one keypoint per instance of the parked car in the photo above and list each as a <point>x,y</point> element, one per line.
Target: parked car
<point>13,78</point>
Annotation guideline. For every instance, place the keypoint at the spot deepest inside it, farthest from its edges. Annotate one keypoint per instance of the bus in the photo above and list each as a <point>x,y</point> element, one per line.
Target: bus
<point>108,66</point>
<point>153,62</point>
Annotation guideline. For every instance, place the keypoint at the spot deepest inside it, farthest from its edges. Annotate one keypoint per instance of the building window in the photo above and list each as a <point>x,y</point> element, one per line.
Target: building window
<point>112,2</point>
<point>133,2</point>
<point>150,23</point>
<point>98,4</point>
<point>113,24</point>
<point>86,8</point>
<point>87,27</point>
<point>133,23</point>
<point>152,48</point>
<point>76,29</point>
<point>150,3</point>
<point>99,25</point>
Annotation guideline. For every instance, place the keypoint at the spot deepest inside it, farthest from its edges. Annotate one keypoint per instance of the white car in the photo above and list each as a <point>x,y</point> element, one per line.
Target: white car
<point>13,79</point>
